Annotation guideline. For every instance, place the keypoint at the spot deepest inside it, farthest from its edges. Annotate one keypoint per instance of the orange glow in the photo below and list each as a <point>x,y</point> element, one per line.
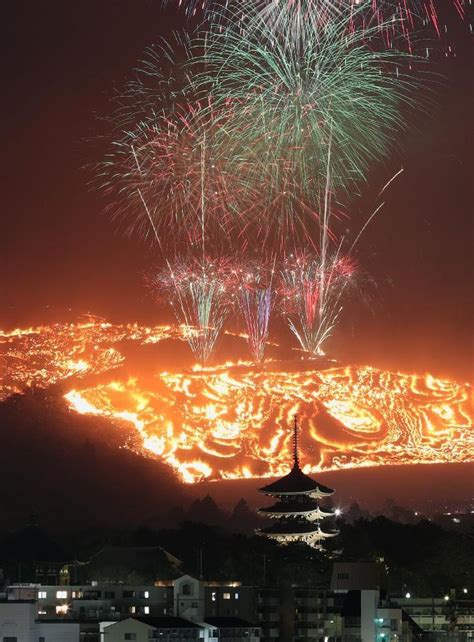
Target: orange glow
<point>231,420</point>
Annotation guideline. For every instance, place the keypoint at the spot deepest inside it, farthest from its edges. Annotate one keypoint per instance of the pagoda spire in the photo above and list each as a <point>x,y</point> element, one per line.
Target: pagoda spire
<point>297,512</point>
<point>296,461</point>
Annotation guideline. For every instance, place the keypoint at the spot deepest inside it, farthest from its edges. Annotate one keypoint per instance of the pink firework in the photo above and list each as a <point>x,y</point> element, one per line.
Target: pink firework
<point>312,294</point>
<point>255,298</point>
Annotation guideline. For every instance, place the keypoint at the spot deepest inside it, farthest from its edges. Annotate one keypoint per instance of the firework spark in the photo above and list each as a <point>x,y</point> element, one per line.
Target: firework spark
<point>169,180</point>
<point>393,18</point>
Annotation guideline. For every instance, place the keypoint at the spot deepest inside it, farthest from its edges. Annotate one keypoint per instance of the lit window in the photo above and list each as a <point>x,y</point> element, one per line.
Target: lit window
<point>236,595</point>
<point>146,610</point>
<point>146,594</point>
<point>213,596</point>
<point>73,594</point>
<point>42,595</point>
<point>132,609</point>
<point>61,609</point>
<point>226,596</point>
<point>41,612</point>
<point>61,595</point>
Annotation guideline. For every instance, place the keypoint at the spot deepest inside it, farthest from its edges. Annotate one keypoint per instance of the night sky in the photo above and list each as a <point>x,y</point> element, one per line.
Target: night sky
<point>62,61</point>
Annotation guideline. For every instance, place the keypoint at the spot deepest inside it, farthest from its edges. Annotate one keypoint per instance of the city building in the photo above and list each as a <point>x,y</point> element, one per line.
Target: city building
<point>88,604</point>
<point>19,623</point>
<point>450,615</point>
<point>297,511</point>
<point>226,606</point>
<point>355,607</point>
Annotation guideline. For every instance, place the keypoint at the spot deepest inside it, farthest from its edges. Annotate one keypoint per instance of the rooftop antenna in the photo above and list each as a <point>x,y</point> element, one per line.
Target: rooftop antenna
<point>296,463</point>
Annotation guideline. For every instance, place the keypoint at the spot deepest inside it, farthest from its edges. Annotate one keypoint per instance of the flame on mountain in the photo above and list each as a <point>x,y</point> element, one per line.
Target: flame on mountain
<point>231,421</point>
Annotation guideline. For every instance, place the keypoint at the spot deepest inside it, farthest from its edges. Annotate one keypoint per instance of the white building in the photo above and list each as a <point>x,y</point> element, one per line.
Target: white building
<point>177,629</point>
<point>166,629</point>
<point>19,623</point>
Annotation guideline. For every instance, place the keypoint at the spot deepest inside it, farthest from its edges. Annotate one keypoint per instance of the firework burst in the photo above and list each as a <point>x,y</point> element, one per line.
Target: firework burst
<point>200,299</point>
<point>255,298</point>
<point>312,293</point>
<point>303,100</point>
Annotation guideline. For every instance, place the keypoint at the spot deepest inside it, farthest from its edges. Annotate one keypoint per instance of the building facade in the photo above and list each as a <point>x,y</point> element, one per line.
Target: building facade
<point>19,623</point>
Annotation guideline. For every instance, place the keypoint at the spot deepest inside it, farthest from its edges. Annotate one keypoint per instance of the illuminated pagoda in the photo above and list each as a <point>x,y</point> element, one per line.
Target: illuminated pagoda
<point>297,511</point>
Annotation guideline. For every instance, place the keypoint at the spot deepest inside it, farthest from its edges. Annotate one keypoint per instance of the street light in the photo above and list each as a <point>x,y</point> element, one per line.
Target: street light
<point>465,591</point>
<point>446,598</point>
<point>408,596</point>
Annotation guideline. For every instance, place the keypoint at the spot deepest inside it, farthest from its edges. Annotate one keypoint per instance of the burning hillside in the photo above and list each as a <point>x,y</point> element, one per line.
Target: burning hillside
<point>231,420</point>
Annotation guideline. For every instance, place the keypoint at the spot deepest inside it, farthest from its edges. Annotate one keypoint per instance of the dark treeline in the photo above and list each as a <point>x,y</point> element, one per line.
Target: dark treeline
<point>422,556</point>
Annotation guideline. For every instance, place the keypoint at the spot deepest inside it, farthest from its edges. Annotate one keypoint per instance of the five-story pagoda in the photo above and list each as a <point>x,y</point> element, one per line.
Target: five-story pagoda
<point>297,511</point>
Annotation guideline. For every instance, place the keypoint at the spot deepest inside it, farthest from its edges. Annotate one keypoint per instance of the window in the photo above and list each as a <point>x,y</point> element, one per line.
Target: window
<point>61,595</point>
<point>109,595</point>
<point>144,595</point>
<point>42,595</point>
<point>226,596</point>
<point>129,636</point>
<point>61,609</point>
<point>146,610</point>
<point>129,594</point>
<point>41,638</point>
<point>213,596</point>
<point>236,595</point>
<point>186,589</point>
<point>132,609</point>
<point>343,576</point>
<point>9,639</point>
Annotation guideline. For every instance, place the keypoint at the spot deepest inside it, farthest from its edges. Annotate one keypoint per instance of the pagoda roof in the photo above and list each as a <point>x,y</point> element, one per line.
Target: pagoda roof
<point>303,529</point>
<point>290,528</point>
<point>292,507</point>
<point>296,483</point>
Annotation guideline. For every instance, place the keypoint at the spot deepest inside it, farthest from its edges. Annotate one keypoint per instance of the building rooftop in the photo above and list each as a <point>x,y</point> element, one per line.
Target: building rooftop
<point>166,622</point>
<point>228,622</point>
